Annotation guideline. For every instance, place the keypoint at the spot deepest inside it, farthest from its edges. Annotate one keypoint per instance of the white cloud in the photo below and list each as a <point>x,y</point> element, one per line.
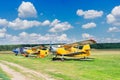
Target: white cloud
<point>55,38</point>
<point>80,12</point>
<point>3,23</point>
<point>114,17</point>
<point>110,18</point>
<point>19,24</point>
<point>63,37</point>
<point>90,14</point>
<point>87,36</point>
<point>116,11</point>
<point>89,25</point>
<point>29,38</point>
<point>23,34</point>
<point>23,24</point>
<point>26,10</point>
<point>2,33</point>
<point>55,22</point>
<point>10,39</point>
<point>113,29</point>
<point>58,26</point>
<point>34,38</point>
<point>45,23</point>
<point>108,40</point>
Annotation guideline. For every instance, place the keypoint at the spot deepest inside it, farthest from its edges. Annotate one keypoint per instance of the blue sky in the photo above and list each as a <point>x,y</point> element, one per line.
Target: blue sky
<point>43,21</point>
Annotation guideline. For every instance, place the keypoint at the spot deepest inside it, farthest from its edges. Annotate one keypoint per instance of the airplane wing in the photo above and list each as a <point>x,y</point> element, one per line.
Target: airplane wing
<point>72,54</point>
<point>80,43</point>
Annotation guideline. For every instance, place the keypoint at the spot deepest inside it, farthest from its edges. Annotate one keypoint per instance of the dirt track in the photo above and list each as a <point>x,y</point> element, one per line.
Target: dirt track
<point>18,72</point>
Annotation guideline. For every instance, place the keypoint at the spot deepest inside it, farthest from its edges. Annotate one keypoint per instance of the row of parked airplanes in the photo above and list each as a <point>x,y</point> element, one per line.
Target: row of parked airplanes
<point>65,50</point>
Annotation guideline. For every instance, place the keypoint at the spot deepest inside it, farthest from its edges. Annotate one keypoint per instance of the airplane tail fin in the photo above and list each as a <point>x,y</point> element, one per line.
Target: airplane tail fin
<point>86,48</point>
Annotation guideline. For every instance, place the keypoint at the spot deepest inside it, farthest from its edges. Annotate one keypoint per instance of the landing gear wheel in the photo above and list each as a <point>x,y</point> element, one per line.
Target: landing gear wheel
<point>86,59</point>
<point>62,59</point>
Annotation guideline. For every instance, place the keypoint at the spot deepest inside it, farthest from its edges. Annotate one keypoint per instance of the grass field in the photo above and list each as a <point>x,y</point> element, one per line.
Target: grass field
<point>3,75</point>
<point>105,66</point>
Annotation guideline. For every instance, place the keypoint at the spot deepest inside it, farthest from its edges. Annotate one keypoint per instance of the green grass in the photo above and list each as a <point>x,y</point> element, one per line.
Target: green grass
<point>3,75</point>
<point>105,66</point>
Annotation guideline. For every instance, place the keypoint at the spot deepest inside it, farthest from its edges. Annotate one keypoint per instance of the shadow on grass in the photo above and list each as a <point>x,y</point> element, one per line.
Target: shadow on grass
<point>73,59</point>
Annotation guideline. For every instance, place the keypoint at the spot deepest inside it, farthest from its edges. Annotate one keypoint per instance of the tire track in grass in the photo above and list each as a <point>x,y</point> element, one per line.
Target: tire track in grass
<point>29,72</point>
<point>15,75</point>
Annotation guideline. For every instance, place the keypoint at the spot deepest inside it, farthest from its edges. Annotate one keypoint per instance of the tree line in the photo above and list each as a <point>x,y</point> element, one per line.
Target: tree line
<point>93,46</point>
<point>106,46</point>
<point>11,47</point>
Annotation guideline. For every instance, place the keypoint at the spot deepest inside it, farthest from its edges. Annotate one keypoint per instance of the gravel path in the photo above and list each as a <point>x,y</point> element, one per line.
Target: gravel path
<point>22,73</point>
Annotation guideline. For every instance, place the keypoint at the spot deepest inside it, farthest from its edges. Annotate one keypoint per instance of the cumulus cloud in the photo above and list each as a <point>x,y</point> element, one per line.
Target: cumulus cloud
<point>87,36</point>
<point>33,38</point>
<point>113,29</point>
<point>23,34</point>
<point>114,17</point>
<point>89,25</point>
<point>55,22</point>
<point>45,23</point>
<point>58,26</point>
<point>90,14</point>
<point>19,24</point>
<point>63,37</point>
<point>26,10</point>
<point>3,23</point>
<point>23,24</point>
<point>108,40</point>
<point>2,33</point>
<point>110,18</point>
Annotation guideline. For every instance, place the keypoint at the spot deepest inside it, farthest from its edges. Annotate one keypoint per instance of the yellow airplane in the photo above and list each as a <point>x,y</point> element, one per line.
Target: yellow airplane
<point>72,50</point>
<point>40,52</point>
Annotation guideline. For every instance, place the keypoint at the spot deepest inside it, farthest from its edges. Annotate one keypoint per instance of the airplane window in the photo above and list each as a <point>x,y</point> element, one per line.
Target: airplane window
<point>44,49</point>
